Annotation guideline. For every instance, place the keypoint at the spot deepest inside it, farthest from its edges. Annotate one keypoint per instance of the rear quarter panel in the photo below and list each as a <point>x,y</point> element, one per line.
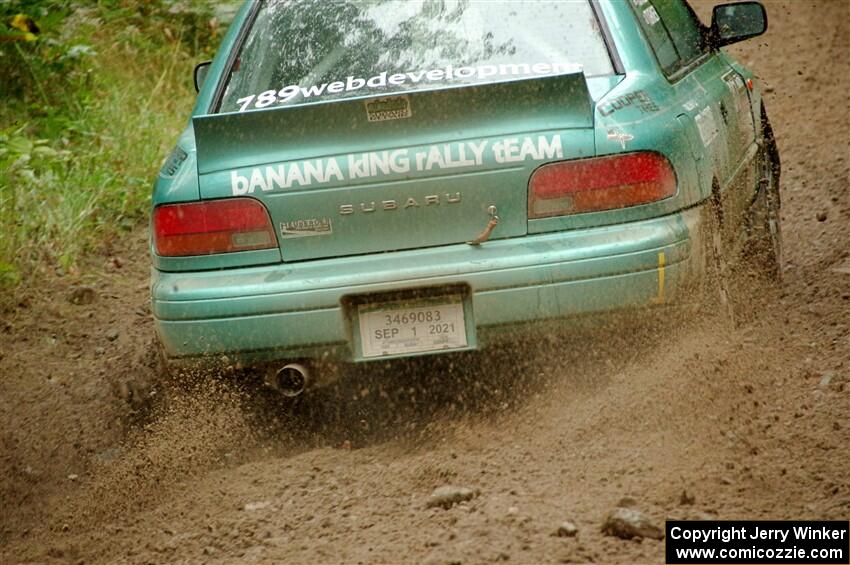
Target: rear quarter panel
<point>641,113</point>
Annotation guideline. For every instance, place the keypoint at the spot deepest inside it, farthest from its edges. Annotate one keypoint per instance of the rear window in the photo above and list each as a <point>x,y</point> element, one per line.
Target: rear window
<point>301,51</point>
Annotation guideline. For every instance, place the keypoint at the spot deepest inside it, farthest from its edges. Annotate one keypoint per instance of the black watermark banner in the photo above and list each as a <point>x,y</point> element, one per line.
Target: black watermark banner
<point>757,542</point>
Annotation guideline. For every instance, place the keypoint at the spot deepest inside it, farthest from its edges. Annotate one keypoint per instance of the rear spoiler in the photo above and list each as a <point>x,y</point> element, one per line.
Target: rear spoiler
<point>258,137</point>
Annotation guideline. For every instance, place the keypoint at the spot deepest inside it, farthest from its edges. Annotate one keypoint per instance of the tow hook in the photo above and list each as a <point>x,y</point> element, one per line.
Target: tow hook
<point>488,230</point>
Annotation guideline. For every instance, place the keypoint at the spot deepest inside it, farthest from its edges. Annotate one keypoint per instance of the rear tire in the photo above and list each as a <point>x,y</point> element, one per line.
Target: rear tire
<point>733,278</point>
<point>717,289</point>
<point>764,234</point>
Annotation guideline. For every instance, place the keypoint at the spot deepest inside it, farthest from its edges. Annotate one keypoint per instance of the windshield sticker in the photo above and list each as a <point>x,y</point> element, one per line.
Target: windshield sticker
<point>639,98</point>
<point>382,81</point>
<point>706,125</point>
<point>620,137</point>
<point>651,16</point>
<point>734,82</point>
<point>392,108</point>
<point>304,228</point>
<point>396,162</point>
<point>173,162</point>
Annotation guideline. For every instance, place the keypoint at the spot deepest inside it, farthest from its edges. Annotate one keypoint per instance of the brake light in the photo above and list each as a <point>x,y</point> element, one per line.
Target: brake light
<point>601,183</point>
<point>217,226</point>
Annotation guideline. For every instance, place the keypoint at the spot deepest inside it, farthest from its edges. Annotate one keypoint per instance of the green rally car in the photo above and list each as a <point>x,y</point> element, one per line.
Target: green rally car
<point>386,178</point>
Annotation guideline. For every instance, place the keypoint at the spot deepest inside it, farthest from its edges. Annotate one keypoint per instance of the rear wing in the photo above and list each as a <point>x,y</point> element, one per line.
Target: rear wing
<point>257,137</point>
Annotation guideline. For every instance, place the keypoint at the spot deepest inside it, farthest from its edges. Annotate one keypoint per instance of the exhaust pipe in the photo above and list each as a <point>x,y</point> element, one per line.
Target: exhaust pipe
<point>290,380</point>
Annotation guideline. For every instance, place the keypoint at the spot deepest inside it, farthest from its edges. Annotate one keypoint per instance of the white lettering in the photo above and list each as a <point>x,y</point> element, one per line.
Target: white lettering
<point>350,83</point>
<point>550,150</point>
<point>379,161</point>
<point>461,161</point>
<point>380,81</point>
<point>485,71</point>
<point>238,184</point>
<point>357,167</point>
<point>435,159</point>
<point>399,161</point>
<point>314,171</point>
<point>294,175</point>
<point>333,172</point>
<point>478,150</point>
<point>416,77</point>
<point>313,90</point>
<point>528,149</point>
<point>395,161</point>
<point>257,181</point>
<point>541,68</point>
<point>276,177</point>
<point>245,102</point>
<point>514,69</point>
<point>266,98</point>
<point>377,81</point>
<point>287,93</point>
<point>510,146</point>
<point>511,150</point>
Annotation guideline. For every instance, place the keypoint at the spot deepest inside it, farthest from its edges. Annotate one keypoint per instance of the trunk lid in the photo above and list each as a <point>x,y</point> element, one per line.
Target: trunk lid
<point>413,170</point>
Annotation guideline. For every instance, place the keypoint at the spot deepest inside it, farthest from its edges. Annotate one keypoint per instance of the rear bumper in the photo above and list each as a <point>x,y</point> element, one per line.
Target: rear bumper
<point>296,310</point>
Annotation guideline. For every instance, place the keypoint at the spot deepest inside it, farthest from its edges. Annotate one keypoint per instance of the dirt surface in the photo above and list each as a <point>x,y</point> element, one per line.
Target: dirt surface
<point>101,463</point>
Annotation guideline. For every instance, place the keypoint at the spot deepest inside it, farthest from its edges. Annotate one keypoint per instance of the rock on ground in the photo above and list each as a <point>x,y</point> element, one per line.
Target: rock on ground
<point>566,530</point>
<point>628,523</point>
<point>447,496</point>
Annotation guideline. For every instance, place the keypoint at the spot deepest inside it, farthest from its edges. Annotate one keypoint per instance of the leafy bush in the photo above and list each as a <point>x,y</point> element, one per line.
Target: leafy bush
<point>94,95</point>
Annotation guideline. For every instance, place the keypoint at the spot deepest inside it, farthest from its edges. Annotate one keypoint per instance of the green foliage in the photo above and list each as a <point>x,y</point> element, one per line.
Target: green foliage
<point>94,95</point>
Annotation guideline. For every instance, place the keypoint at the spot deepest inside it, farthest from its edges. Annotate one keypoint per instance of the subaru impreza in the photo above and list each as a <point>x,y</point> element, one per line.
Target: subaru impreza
<point>381,179</point>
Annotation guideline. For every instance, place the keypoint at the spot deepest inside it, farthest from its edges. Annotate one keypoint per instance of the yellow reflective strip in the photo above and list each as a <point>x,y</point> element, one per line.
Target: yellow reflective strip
<point>661,261</point>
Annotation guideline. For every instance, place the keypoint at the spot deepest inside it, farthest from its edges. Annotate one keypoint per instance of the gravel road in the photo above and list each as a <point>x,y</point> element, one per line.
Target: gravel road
<point>532,447</point>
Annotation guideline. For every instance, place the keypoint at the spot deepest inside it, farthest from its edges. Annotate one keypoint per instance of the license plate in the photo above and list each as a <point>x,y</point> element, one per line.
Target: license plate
<point>397,328</point>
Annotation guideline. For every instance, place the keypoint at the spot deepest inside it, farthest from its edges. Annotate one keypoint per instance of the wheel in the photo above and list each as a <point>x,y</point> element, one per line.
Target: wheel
<point>717,287</point>
<point>764,235</point>
<point>733,277</point>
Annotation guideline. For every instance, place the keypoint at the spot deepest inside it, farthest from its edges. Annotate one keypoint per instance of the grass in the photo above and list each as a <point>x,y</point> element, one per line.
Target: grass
<point>90,109</point>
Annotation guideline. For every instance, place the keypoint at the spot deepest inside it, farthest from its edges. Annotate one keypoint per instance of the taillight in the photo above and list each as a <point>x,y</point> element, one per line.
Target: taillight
<point>601,183</point>
<point>217,226</point>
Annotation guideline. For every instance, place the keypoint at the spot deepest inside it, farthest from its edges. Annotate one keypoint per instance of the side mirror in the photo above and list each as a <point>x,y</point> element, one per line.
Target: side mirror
<point>201,70</point>
<point>731,23</point>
